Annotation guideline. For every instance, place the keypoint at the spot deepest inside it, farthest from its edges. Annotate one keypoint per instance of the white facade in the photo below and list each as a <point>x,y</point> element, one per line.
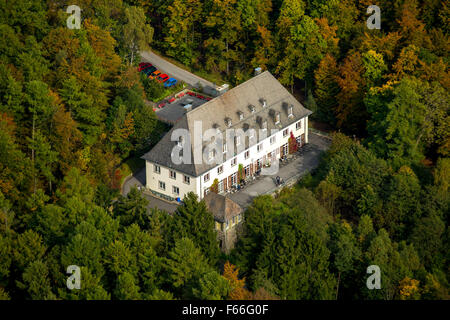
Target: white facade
<point>228,175</point>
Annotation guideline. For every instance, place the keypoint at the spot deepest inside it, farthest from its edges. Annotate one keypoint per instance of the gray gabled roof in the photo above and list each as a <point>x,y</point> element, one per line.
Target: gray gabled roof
<point>222,207</point>
<point>229,105</point>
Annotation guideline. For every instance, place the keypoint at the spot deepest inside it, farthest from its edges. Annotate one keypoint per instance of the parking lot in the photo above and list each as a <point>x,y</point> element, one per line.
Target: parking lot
<point>171,112</point>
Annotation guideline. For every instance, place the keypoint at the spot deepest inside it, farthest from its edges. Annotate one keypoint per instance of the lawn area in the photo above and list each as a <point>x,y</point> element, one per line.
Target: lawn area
<point>129,166</point>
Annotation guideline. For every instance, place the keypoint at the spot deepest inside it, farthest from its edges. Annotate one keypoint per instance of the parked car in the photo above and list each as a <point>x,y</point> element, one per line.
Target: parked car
<point>171,82</point>
<point>162,78</point>
<point>147,66</point>
<point>161,105</point>
<point>154,74</point>
<point>149,70</point>
<point>144,65</point>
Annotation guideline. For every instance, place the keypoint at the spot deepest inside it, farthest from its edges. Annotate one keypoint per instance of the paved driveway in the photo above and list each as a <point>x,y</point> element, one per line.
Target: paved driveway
<point>290,172</point>
<point>174,71</point>
<point>138,180</point>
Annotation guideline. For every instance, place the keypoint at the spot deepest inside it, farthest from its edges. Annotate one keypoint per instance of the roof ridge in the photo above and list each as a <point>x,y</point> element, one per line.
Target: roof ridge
<point>239,85</point>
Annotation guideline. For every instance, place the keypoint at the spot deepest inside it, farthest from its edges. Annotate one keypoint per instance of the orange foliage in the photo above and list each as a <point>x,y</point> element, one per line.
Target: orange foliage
<point>103,45</point>
<point>230,273</point>
<point>352,84</point>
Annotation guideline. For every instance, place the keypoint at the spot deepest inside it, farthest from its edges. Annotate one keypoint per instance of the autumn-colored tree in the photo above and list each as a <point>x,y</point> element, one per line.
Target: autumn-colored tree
<point>350,110</point>
<point>265,48</point>
<point>238,292</point>
<point>293,144</point>
<point>215,186</point>
<point>409,289</point>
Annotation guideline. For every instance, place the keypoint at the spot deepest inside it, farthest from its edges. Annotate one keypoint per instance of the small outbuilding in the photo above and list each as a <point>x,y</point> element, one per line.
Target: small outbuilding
<point>228,217</point>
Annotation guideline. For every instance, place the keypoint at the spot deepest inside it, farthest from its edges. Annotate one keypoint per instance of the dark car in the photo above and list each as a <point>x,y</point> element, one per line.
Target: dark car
<point>149,70</point>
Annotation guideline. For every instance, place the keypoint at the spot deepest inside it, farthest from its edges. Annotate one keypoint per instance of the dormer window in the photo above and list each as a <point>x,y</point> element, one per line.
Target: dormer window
<point>241,115</point>
<point>228,122</point>
<point>275,115</point>
<point>263,102</point>
<point>252,108</point>
<point>277,118</point>
<point>180,141</point>
<point>290,111</point>
<point>264,124</point>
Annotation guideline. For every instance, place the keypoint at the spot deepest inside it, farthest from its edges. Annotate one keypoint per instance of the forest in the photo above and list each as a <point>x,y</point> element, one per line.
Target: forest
<point>74,115</point>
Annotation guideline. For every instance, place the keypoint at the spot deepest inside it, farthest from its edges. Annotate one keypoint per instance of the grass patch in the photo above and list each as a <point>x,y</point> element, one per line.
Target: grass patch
<point>130,166</point>
<point>156,91</point>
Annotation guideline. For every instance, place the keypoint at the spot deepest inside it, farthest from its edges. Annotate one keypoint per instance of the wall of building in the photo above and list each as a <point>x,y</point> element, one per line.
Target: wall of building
<point>153,178</point>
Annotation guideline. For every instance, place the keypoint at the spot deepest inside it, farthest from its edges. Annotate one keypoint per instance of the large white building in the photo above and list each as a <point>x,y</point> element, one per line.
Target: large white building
<point>257,108</point>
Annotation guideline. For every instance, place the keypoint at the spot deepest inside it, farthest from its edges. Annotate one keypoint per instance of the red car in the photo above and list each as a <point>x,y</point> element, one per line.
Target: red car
<point>144,65</point>
<point>161,105</point>
<point>162,78</point>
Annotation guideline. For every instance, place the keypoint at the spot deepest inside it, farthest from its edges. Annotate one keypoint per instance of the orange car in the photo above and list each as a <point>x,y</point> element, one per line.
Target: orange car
<point>153,75</point>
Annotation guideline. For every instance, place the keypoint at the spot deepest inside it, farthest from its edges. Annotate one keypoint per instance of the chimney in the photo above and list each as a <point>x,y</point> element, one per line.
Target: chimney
<point>258,71</point>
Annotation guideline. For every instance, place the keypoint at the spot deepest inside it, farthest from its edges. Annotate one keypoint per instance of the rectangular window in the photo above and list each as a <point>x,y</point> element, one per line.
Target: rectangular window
<point>247,154</point>
<point>224,148</point>
<point>162,185</point>
<point>206,177</point>
<point>211,154</point>
<point>290,111</point>
<point>157,169</point>
<point>234,221</point>
<point>239,218</point>
<point>247,170</point>
<point>173,174</point>
<point>220,170</point>
<point>273,139</point>
<point>233,162</point>
<point>176,190</point>
<point>259,147</point>
<point>286,149</point>
<point>234,179</point>
<point>298,125</point>
<point>237,140</point>
<point>285,132</point>
<point>187,180</point>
